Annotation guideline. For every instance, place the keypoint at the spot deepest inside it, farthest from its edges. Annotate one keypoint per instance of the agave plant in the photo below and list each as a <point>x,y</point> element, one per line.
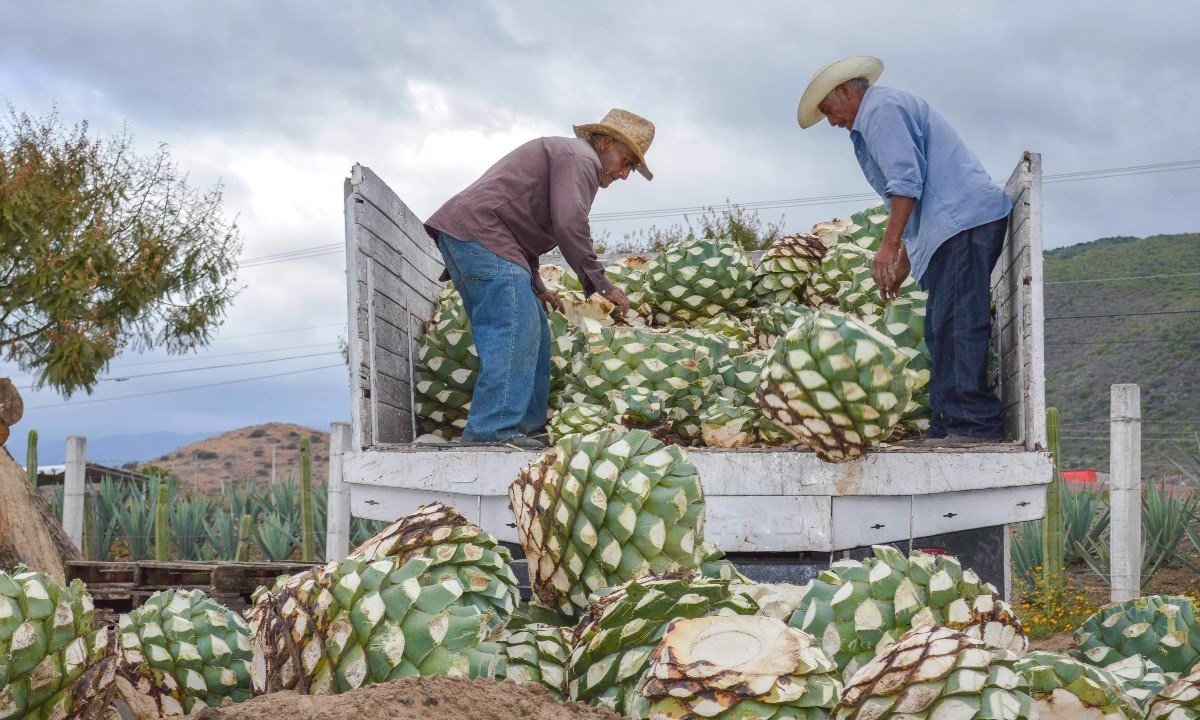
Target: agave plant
<point>245,500</point>
<point>1085,516</point>
<point>282,498</point>
<point>1188,462</point>
<point>188,517</point>
<point>103,500</point>
<point>320,507</point>
<point>221,529</point>
<point>1028,554</point>
<point>362,530</point>
<point>276,536</point>
<point>136,516</point>
<point>56,502</point>
<point>1166,521</point>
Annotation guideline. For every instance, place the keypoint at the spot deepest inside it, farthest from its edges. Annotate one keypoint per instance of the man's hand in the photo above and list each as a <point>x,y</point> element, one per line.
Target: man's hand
<point>616,296</point>
<point>552,300</point>
<point>890,269</point>
<point>891,265</point>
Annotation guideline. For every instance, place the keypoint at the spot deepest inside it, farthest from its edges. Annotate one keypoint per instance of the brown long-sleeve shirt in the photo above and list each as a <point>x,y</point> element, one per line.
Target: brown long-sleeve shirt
<point>534,199</point>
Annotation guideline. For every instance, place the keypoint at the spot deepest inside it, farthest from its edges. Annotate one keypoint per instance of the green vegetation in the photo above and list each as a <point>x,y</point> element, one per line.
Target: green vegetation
<point>130,520</point>
<point>102,250</point>
<point>744,227</point>
<point>1158,352</point>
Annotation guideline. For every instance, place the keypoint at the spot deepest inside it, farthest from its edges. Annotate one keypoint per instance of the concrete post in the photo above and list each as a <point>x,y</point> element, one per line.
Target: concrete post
<point>1125,492</point>
<point>73,488</point>
<point>337,524</point>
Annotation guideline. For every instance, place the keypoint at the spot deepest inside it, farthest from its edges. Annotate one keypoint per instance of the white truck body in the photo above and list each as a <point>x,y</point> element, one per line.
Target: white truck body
<point>758,500</point>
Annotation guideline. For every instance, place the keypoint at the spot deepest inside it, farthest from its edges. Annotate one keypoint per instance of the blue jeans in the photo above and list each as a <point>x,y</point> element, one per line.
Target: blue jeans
<point>958,329</point>
<point>512,338</point>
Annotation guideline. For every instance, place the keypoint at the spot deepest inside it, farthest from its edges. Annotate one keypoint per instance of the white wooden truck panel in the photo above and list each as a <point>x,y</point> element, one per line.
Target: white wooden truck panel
<point>757,500</point>
<point>867,520</point>
<point>761,501</point>
<point>488,472</point>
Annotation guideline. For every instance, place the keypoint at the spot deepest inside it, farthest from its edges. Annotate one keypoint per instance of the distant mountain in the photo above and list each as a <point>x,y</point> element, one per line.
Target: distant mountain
<point>1156,344</point>
<point>113,450</point>
<point>245,454</point>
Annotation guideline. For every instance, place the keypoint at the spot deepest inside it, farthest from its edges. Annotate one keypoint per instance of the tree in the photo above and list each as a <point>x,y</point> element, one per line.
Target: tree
<point>103,250</point>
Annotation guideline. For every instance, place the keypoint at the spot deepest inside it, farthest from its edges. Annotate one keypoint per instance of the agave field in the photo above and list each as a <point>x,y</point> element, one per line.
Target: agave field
<point>796,349</point>
<point>629,609</point>
<point>123,520</point>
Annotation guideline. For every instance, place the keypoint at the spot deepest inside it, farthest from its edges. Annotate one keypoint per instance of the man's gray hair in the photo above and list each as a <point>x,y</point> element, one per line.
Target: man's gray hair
<point>859,84</point>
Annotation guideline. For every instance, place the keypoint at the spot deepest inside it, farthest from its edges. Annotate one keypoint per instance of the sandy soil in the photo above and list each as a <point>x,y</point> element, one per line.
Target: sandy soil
<point>426,698</point>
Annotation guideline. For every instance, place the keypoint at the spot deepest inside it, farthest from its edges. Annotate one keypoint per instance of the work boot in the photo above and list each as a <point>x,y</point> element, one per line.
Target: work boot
<point>524,442</point>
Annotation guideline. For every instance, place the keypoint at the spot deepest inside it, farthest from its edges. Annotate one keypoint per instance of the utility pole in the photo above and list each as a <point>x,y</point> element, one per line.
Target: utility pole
<point>273,446</point>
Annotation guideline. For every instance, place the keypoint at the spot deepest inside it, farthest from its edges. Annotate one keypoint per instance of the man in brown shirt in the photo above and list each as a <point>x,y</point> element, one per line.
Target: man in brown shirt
<point>491,236</point>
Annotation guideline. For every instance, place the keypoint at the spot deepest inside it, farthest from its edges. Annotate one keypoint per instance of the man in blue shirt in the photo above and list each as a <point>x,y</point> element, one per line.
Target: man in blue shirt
<point>947,226</point>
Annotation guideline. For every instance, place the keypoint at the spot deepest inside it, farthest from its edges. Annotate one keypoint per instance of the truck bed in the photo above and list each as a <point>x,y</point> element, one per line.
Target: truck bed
<point>758,500</point>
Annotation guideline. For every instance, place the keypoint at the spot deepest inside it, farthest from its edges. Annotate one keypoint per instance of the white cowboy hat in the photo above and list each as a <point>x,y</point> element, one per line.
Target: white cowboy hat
<point>634,130</point>
<point>827,78</point>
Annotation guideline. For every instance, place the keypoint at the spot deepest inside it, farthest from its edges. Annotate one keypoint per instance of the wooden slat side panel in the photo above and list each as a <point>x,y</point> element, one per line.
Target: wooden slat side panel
<point>1017,292</point>
<point>1036,360</point>
<point>394,274</point>
<point>360,401</point>
<point>373,221</point>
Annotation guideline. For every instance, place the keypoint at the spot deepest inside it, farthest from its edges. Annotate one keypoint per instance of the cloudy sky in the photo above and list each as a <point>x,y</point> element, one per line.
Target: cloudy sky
<point>277,100</point>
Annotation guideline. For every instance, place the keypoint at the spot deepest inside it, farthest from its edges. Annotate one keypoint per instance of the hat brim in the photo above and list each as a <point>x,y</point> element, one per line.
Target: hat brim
<point>828,78</point>
<point>584,132</point>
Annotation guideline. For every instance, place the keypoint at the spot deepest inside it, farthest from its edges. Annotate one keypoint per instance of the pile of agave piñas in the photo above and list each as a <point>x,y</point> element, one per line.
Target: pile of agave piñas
<point>717,351</point>
<point>631,609</point>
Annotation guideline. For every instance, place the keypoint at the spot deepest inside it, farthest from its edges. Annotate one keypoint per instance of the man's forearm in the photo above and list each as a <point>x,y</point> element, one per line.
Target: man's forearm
<point>902,208</point>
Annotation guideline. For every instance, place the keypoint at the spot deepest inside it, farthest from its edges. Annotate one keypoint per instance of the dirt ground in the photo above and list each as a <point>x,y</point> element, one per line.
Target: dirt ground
<point>425,698</point>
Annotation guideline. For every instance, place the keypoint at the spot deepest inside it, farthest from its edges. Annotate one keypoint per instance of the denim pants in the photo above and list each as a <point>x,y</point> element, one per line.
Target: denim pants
<point>511,336</point>
<point>958,329</point>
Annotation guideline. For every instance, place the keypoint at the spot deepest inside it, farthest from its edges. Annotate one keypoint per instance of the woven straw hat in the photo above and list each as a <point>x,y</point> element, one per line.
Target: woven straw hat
<point>827,78</point>
<point>634,130</point>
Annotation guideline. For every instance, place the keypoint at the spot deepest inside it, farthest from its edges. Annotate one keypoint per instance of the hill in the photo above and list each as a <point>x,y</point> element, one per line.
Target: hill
<point>1143,330</point>
<point>246,453</point>
<point>113,450</point>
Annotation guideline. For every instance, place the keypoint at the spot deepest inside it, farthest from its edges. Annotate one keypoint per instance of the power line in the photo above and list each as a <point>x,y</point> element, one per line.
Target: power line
<point>1144,439</point>
<point>1193,341</point>
<point>1117,315</point>
<point>204,357</point>
<point>285,255</point>
<point>182,389</point>
<point>206,367</point>
<point>1114,279</point>
<point>278,332</point>
<point>303,254</point>
<point>1144,422</point>
<point>1175,165</point>
<point>835,199</point>
<point>221,355</point>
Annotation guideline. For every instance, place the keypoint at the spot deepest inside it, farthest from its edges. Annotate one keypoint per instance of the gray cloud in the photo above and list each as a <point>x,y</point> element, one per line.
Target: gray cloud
<point>278,99</point>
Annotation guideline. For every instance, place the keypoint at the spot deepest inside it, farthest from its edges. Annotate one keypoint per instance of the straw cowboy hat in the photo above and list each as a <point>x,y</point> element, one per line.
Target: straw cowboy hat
<point>827,78</point>
<point>634,130</point>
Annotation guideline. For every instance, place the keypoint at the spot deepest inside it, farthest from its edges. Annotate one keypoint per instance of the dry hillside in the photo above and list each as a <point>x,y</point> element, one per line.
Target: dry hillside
<point>246,453</point>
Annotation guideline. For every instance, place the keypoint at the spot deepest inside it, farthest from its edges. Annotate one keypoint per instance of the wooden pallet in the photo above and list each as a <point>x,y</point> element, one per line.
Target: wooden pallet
<point>123,586</point>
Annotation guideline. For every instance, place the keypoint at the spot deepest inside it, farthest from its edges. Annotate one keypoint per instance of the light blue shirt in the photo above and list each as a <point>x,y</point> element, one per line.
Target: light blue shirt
<point>906,148</point>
